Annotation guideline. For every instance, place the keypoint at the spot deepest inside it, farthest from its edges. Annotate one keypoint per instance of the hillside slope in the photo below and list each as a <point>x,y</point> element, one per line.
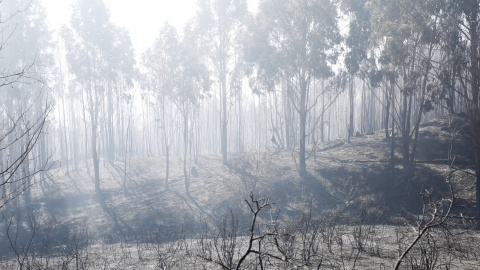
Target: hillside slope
<point>340,175</point>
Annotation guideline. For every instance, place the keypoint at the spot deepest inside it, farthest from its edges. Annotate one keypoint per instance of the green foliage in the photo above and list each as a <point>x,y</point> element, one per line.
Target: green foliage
<point>357,39</point>
<point>217,29</point>
<point>175,68</point>
<point>98,52</point>
<point>292,40</point>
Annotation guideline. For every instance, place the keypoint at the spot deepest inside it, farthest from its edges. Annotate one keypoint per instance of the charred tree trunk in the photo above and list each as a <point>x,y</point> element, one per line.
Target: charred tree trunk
<point>474,106</point>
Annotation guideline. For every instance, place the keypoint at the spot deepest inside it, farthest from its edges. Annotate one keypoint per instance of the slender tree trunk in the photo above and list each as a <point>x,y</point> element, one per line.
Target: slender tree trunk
<point>451,88</point>
<point>240,121</point>
<point>363,117</point>
<point>474,106</point>
<point>420,111</point>
<point>86,141</point>
<point>145,131</point>
<point>198,149</point>
<point>74,135</point>
<point>65,131</point>
<point>373,111</point>
<point>62,144</point>
<point>387,111</point>
<point>392,142</point>
<point>110,137</point>
<point>329,130</point>
<point>166,145</point>
<point>125,156</point>
<point>26,177</point>
<point>287,114</point>
<point>322,120</point>
<point>96,162</point>
<point>406,136</point>
<point>303,119</point>
<point>224,122</point>
<point>351,94</point>
<point>185,143</point>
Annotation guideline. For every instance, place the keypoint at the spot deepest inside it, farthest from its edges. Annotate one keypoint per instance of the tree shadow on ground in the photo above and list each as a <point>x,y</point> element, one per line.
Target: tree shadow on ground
<point>121,227</point>
<point>292,196</point>
<point>193,205</point>
<point>313,186</point>
<point>355,185</point>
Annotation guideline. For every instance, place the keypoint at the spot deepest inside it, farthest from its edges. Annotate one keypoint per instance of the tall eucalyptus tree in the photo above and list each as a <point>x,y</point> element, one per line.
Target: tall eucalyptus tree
<point>357,42</point>
<point>175,71</point>
<point>157,82</point>
<point>293,42</point>
<point>98,56</point>
<point>191,83</point>
<point>409,30</point>
<point>121,76</point>
<point>462,28</point>
<point>219,25</point>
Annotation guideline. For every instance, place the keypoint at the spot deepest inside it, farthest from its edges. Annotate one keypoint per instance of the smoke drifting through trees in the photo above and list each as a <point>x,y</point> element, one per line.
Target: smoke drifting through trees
<point>281,78</point>
<point>288,77</point>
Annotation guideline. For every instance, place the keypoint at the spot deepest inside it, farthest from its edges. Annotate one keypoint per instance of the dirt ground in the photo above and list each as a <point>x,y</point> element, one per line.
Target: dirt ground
<point>338,174</point>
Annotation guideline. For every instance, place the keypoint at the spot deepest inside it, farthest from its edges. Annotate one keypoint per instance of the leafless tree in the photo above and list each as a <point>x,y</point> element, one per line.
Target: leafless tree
<point>18,166</point>
<point>226,247</point>
<point>23,121</point>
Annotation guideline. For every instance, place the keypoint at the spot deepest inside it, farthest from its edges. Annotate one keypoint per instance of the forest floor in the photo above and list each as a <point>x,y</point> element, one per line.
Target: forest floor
<point>340,175</point>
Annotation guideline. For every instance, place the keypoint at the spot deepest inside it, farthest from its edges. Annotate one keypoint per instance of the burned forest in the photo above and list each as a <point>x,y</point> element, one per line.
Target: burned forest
<point>239,134</point>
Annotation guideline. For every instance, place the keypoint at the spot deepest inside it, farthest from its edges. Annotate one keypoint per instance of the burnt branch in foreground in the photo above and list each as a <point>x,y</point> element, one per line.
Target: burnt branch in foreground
<point>255,206</point>
<point>225,246</point>
<point>433,215</point>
